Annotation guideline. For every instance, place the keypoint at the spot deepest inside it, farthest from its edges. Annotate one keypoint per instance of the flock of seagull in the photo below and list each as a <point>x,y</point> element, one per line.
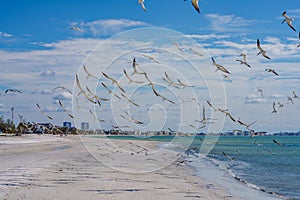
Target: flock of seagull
<point>171,82</point>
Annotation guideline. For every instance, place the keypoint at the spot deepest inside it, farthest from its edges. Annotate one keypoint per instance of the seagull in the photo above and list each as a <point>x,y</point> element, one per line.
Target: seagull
<point>299,39</point>
<point>95,117</point>
<point>288,20</point>
<point>114,81</point>
<point>95,96</point>
<point>261,51</point>
<point>219,67</point>
<point>261,92</point>
<point>169,81</point>
<point>244,61</point>
<point>227,156</point>
<point>226,77</point>
<point>197,129</point>
<point>272,70</point>
<point>130,118</point>
<point>49,117</point>
<point>295,95</point>
<point>178,47</point>
<point>280,105</point>
<point>151,58</point>
<point>274,109</point>
<point>109,91</point>
<point>183,84</point>
<point>246,125</point>
<point>12,90</point>
<point>63,88</point>
<point>195,52</point>
<point>227,114</point>
<point>76,28</point>
<point>196,5</point>
<point>142,4</point>
<point>291,100</point>
<point>278,143</point>
<point>129,100</point>
<point>130,79</point>
<point>61,105</point>
<point>83,92</point>
<point>210,105</point>
<point>134,66</point>
<point>88,73</point>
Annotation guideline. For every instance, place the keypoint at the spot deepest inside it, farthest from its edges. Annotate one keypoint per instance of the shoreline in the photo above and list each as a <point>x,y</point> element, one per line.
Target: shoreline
<point>63,169</point>
<point>89,168</point>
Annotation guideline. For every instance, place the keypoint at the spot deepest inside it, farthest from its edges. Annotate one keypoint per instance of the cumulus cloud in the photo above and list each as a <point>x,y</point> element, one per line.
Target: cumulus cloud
<point>3,34</point>
<point>254,99</point>
<point>63,96</point>
<point>48,73</point>
<point>110,26</point>
<point>42,91</point>
<point>227,22</point>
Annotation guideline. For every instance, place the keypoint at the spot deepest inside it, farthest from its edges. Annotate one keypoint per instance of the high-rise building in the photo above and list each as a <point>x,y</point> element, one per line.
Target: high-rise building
<point>67,124</point>
<point>85,126</point>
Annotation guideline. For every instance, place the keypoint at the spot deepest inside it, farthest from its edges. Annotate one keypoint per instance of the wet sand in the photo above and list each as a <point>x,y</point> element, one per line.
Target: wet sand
<point>87,168</point>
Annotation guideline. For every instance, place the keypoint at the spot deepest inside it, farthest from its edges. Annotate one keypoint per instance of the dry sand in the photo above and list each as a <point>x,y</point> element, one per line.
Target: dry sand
<point>51,167</point>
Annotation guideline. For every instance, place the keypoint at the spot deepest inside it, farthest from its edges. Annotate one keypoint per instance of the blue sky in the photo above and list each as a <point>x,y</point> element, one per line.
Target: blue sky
<point>39,50</point>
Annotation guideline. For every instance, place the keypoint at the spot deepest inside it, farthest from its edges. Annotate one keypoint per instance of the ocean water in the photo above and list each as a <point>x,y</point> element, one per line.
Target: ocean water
<point>258,162</point>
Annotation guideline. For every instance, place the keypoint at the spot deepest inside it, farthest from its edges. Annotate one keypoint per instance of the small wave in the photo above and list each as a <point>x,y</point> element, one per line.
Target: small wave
<point>226,167</point>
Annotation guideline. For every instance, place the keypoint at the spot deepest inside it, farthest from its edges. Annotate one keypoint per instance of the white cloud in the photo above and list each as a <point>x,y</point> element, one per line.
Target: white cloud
<point>110,26</point>
<point>227,23</point>
<point>63,96</point>
<point>3,34</point>
<point>48,73</point>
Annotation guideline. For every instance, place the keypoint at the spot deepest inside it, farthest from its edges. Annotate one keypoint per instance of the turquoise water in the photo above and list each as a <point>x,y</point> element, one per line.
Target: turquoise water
<point>258,161</point>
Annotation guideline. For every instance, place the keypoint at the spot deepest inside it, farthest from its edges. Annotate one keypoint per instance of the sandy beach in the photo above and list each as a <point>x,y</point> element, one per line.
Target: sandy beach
<point>53,167</point>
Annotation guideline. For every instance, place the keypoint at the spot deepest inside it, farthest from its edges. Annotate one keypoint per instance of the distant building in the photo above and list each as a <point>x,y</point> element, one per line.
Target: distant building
<point>67,124</point>
<point>85,126</point>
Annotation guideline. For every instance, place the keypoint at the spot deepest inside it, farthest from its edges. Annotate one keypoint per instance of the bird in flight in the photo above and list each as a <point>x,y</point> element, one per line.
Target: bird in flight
<point>274,109</point>
<point>142,4</point>
<point>48,116</point>
<point>244,61</point>
<point>227,156</point>
<point>129,118</point>
<point>227,77</point>
<point>13,91</point>
<point>83,92</point>
<point>196,5</point>
<point>65,110</point>
<point>261,92</point>
<point>183,84</point>
<point>63,88</point>
<point>129,100</point>
<point>76,28</point>
<point>219,67</point>
<point>95,117</point>
<point>261,51</point>
<point>288,21</point>
<point>195,52</point>
<point>151,58</point>
<point>246,125</point>
<point>291,100</point>
<point>272,70</point>
<point>130,79</point>
<point>88,74</point>
<point>277,143</point>
<point>110,91</point>
<point>114,81</point>
<point>295,95</point>
<point>280,105</point>
<point>169,81</point>
<point>299,39</point>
